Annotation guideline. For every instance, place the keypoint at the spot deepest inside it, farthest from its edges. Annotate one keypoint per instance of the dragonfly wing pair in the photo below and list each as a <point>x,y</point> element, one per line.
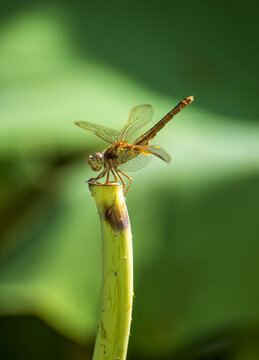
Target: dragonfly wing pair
<point>141,161</point>
<point>138,118</point>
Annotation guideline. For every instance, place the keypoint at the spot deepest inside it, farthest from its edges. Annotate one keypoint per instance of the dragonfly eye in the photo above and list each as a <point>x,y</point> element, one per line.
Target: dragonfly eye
<point>95,161</point>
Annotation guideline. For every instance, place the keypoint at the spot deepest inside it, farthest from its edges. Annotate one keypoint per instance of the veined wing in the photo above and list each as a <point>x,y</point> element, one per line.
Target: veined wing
<point>139,116</point>
<point>107,134</point>
<point>142,160</point>
<point>137,163</point>
<point>159,152</point>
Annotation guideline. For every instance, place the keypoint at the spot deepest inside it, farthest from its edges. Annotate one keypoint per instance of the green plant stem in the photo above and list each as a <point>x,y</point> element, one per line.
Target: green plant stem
<point>117,273</point>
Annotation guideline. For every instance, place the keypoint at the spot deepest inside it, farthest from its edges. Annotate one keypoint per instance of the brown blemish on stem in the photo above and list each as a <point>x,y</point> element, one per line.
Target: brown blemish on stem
<point>116,216</point>
<point>103,332</point>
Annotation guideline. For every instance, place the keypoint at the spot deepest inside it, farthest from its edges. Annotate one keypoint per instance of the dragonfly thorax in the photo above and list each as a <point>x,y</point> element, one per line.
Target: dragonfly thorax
<point>95,161</point>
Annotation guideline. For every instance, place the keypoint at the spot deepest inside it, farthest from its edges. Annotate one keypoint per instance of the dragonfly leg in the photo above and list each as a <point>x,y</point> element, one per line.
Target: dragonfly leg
<point>130,179</point>
<point>115,177</point>
<point>108,176</point>
<point>102,174</point>
<point>123,182</point>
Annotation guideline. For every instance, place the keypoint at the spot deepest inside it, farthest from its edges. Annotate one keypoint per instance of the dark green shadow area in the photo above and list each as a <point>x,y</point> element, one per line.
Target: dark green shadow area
<point>200,48</point>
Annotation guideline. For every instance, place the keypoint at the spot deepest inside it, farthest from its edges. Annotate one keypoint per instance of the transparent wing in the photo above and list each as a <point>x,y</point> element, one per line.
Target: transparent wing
<point>139,116</point>
<point>136,163</point>
<point>159,152</point>
<point>103,132</point>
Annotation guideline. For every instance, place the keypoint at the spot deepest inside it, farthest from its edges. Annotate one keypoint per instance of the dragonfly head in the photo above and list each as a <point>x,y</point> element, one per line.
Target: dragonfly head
<point>95,161</point>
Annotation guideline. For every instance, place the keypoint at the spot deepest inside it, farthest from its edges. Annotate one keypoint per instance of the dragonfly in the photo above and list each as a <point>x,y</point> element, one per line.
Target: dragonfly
<point>124,153</point>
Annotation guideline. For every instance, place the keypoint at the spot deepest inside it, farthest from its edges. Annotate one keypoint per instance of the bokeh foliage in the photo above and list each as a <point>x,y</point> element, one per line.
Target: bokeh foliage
<point>195,222</point>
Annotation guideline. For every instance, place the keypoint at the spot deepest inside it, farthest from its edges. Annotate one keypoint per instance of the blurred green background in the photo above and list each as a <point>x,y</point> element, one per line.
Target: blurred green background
<point>195,222</point>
